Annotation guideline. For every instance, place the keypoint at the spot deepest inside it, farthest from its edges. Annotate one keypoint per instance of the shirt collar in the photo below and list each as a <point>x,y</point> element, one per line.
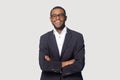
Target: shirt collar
<point>63,31</point>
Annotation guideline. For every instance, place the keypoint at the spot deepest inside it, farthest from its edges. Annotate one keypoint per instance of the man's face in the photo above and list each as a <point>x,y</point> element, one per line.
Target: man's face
<point>58,18</point>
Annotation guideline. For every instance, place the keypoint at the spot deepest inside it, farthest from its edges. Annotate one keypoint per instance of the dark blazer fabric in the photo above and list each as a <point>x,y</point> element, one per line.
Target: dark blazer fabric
<point>73,48</point>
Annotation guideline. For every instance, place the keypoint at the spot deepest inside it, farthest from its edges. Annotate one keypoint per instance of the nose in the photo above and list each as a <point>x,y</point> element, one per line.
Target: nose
<point>58,17</point>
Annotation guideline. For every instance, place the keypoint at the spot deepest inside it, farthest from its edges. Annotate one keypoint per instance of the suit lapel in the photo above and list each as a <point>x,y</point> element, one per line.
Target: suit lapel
<point>53,44</point>
<point>67,39</point>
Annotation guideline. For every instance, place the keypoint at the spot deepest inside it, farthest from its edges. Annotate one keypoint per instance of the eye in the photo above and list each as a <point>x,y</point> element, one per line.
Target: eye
<point>54,15</point>
<point>59,15</point>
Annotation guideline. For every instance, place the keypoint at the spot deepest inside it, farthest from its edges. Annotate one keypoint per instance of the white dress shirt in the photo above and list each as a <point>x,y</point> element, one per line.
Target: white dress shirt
<point>60,38</point>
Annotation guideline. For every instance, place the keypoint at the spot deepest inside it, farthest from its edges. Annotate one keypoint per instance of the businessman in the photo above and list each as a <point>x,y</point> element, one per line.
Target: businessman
<point>62,50</point>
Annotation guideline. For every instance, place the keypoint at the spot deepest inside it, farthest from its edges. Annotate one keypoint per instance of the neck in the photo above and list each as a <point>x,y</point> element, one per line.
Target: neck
<point>59,30</point>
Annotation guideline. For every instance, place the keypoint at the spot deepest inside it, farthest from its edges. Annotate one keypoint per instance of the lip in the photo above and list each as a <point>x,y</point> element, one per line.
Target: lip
<point>58,21</point>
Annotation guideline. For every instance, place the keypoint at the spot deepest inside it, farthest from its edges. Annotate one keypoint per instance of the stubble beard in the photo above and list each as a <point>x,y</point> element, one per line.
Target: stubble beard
<point>59,28</point>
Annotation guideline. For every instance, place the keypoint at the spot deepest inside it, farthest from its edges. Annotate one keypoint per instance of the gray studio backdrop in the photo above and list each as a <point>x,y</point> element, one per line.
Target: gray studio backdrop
<point>23,21</point>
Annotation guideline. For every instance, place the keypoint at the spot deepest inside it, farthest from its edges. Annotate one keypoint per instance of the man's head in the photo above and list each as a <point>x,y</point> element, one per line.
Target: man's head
<point>58,17</point>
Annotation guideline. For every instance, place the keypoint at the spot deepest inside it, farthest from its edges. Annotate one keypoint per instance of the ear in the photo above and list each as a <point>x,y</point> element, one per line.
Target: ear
<point>65,18</point>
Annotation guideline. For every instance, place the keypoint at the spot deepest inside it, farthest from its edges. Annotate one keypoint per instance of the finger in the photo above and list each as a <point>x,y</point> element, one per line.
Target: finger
<point>47,58</point>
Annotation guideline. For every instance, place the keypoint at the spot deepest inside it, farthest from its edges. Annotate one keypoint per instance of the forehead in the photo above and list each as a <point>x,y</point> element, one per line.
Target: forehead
<point>57,11</point>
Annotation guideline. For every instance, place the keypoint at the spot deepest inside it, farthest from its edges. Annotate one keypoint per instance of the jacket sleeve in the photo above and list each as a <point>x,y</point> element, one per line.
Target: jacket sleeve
<point>49,66</point>
<point>79,57</point>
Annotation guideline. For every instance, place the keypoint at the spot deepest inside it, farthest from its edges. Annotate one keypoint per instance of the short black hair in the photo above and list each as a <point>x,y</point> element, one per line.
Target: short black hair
<point>58,7</point>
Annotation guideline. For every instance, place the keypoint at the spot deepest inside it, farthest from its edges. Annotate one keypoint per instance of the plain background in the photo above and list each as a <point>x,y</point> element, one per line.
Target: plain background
<point>22,22</point>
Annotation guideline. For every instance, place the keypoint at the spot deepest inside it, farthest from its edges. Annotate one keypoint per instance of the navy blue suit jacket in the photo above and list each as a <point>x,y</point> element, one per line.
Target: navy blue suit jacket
<point>73,48</point>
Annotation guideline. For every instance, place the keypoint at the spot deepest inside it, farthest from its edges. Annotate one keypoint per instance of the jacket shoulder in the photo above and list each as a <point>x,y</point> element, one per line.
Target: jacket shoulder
<point>75,33</point>
<point>45,35</point>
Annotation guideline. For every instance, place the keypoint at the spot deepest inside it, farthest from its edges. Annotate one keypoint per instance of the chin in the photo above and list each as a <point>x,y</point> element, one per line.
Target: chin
<point>59,27</point>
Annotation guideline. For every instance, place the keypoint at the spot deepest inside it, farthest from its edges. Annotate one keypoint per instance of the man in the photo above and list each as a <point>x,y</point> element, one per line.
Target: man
<point>61,51</point>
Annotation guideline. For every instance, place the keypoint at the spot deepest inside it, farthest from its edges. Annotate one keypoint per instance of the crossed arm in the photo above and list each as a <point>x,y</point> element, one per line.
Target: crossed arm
<point>64,63</point>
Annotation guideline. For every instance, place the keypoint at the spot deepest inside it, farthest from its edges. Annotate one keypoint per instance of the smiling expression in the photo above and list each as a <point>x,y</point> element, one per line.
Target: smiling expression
<point>58,18</point>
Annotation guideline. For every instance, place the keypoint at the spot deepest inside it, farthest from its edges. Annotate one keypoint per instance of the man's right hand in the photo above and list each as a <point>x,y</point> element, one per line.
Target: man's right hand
<point>47,58</point>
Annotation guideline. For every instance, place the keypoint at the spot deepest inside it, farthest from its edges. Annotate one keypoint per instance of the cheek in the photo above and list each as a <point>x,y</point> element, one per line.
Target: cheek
<point>52,20</point>
<point>63,19</point>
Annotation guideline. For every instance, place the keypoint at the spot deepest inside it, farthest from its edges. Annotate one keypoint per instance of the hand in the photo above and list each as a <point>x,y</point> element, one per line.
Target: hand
<point>69,62</point>
<point>64,63</point>
<point>47,58</point>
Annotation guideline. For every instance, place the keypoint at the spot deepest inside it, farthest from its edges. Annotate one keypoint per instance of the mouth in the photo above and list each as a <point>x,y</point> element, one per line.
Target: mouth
<point>57,22</point>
